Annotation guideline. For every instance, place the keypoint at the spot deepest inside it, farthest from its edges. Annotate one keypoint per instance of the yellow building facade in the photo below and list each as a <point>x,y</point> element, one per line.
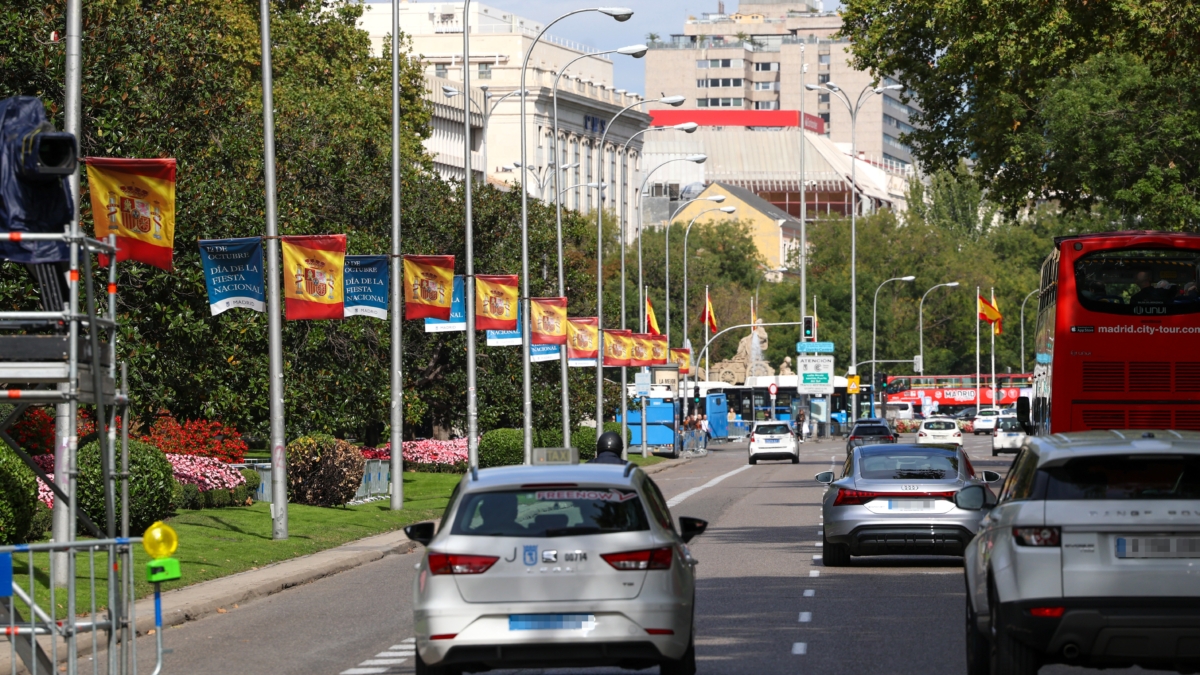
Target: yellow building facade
<point>776,234</point>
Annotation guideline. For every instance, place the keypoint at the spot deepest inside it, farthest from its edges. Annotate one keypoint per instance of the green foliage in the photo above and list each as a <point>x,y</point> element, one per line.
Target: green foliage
<point>252,480</point>
<point>151,486</point>
<point>323,471</point>
<point>502,447</point>
<point>241,496</point>
<point>187,497</point>
<point>42,523</point>
<point>584,439</point>
<point>1047,97</point>
<point>18,498</point>
<point>217,499</point>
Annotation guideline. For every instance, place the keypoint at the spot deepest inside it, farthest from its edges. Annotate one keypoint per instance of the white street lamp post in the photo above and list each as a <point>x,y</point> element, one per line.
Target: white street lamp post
<point>716,199</point>
<point>686,232</point>
<point>1027,297</point>
<point>874,314</point>
<point>921,320</point>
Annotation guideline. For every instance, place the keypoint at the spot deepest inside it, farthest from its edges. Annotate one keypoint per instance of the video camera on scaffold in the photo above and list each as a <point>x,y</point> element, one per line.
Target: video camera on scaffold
<point>35,165</point>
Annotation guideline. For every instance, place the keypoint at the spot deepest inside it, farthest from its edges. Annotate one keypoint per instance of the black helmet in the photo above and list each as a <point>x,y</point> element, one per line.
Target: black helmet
<point>609,441</point>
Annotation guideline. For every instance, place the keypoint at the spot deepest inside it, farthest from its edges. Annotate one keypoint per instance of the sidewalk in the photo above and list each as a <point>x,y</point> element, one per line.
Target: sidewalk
<point>211,597</point>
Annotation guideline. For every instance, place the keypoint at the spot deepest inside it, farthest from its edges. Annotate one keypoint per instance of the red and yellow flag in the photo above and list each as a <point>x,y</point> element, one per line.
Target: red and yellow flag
<point>651,320</point>
<point>312,274</point>
<point>549,321</point>
<point>583,338</point>
<point>990,313</point>
<point>496,302</point>
<point>135,200</point>
<point>659,354</point>
<point>618,347</point>
<point>683,358</point>
<point>643,351</point>
<point>708,318</point>
<point>428,286</point>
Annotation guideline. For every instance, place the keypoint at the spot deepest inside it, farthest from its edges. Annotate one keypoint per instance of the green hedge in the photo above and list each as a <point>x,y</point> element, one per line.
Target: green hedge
<point>584,438</point>
<point>506,447</point>
<point>151,486</point>
<point>18,498</point>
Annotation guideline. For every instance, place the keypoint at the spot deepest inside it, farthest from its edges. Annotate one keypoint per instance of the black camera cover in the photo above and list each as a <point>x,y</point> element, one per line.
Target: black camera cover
<point>29,202</point>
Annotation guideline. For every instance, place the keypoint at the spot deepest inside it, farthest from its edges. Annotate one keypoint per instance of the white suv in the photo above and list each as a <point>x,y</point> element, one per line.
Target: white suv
<point>1090,556</point>
<point>985,421</point>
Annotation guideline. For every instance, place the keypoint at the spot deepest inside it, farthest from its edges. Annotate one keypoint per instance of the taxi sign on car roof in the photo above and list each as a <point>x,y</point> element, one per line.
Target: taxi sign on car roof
<point>554,456</point>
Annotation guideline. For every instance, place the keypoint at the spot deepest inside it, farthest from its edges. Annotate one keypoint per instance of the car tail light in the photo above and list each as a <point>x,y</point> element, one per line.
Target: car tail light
<point>848,497</point>
<point>921,434</point>
<point>648,559</point>
<point>453,563</point>
<point>853,438</point>
<point>958,434</point>
<point>1037,536</point>
<point>1047,612</point>
<point>751,438</point>
<point>889,439</point>
<point>659,631</point>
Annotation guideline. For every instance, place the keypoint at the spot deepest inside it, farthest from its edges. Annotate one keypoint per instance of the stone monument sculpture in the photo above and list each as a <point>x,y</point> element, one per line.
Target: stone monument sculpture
<point>748,362</point>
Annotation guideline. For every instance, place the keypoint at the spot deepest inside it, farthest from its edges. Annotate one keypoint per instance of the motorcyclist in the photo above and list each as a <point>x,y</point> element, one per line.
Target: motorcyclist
<point>608,449</point>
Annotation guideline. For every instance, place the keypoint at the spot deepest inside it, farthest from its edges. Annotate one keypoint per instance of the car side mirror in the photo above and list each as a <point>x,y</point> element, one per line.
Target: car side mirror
<point>422,533</point>
<point>1023,415</point>
<point>991,477</point>
<point>971,498</point>
<point>825,477</point>
<point>690,528</point>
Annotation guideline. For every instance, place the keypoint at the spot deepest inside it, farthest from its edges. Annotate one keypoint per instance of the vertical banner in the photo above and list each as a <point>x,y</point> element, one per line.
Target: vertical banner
<point>683,359</point>
<point>496,301</point>
<point>642,351</point>
<point>428,286</point>
<point>659,349</point>
<point>512,338</point>
<point>618,347</point>
<point>233,273</point>
<point>458,311</point>
<point>312,276</point>
<point>135,200</point>
<point>549,326</point>
<point>366,285</point>
<point>583,341</point>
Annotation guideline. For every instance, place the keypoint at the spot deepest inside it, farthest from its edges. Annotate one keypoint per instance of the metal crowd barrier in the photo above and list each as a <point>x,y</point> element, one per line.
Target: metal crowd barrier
<point>693,442</point>
<point>376,482</point>
<point>35,615</point>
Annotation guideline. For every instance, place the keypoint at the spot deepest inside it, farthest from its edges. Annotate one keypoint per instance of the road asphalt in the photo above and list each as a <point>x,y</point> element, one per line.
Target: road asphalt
<point>765,603</point>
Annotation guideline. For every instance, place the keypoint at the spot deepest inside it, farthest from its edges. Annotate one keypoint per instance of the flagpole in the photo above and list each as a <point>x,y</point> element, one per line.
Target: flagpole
<point>994,404</point>
<point>396,404</point>
<point>978,400</point>
<point>469,279</point>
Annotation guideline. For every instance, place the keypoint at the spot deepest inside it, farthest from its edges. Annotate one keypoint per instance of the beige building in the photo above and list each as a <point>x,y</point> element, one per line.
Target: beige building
<point>775,233</point>
<point>587,97</point>
<point>760,58</point>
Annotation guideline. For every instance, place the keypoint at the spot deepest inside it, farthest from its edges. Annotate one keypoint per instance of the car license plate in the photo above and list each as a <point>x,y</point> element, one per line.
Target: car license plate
<point>551,621</point>
<point>771,440</point>
<point>1012,435</point>
<point>1158,547</point>
<point>910,504</point>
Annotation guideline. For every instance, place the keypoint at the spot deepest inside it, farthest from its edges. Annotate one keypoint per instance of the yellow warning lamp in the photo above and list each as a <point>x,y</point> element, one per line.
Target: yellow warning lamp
<point>160,541</point>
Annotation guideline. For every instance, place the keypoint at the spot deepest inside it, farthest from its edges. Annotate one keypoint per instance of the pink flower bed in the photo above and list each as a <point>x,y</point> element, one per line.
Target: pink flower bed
<point>205,473</point>
<point>424,452</point>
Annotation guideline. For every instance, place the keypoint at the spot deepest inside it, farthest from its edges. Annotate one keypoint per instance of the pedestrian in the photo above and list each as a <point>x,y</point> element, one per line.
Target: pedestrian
<point>705,429</point>
<point>608,449</point>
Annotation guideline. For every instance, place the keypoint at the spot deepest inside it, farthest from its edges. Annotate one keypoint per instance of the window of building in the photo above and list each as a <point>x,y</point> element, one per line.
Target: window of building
<point>439,70</point>
<point>485,71</point>
<point>894,142</point>
<point>825,117</point>
<point>890,121</point>
<point>823,78</point>
<point>720,63</point>
<point>766,86</point>
<point>822,98</point>
<point>703,63</point>
<point>766,105</point>
<point>766,67</point>
<point>701,84</point>
<point>701,103</point>
<point>823,59</point>
<point>673,191</point>
<point>896,106</point>
<point>901,162</point>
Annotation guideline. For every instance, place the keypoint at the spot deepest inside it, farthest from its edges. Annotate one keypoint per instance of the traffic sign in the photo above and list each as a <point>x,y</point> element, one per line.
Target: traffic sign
<point>815,375</point>
<point>814,347</point>
<point>852,384</point>
<point>773,389</point>
<point>641,383</point>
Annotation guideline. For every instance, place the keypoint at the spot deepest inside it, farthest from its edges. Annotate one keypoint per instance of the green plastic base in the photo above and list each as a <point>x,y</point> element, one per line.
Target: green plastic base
<point>163,569</point>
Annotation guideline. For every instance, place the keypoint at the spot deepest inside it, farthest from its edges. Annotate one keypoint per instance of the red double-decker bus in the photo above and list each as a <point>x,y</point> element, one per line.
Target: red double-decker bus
<point>955,392</point>
<point>1117,333</point>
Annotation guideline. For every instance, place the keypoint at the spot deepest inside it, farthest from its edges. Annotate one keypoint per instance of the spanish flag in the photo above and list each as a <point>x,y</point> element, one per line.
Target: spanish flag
<point>549,321</point>
<point>651,320</point>
<point>618,347</point>
<point>583,339</point>
<point>708,318</point>
<point>643,351</point>
<point>988,312</point>
<point>428,286</point>
<point>496,302</point>
<point>682,357</point>
<point>312,273</point>
<point>135,200</point>
<point>658,344</point>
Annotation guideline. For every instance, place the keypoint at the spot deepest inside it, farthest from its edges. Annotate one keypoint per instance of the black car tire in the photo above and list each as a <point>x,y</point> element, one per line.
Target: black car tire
<point>978,650</point>
<point>1008,655</point>
<point>422,668</point>
<point>686,665</point>
<point>995,452</point>
<point>834,555</point>
<point>796,459</point>
<point>752,460</point>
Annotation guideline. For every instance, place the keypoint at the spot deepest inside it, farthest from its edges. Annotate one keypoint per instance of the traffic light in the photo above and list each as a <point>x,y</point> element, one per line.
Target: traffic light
<point>810,329</point>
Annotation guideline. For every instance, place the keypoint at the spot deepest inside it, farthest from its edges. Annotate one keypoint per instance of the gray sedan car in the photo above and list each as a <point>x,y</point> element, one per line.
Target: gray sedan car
<point>898,499</point>
<point>555,566</point>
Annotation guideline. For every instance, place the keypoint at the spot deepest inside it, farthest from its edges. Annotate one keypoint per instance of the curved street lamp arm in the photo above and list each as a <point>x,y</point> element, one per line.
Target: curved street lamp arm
<point>713,339</point>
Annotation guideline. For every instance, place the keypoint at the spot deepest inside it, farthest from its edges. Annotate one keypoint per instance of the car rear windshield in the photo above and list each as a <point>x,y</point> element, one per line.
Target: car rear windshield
<point>1008,424</point>
<point>551,512</point>
<point>871,431</point>
<point>883,463</point>
<point>940,425</point>
<point>771,429</point>
<point>1126,477</point>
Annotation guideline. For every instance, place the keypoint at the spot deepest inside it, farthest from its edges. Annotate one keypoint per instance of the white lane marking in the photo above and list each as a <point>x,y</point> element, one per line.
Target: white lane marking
<point>674,501</point>
<point>816,557</point>
<point>392,655</point>
<point>805,617</point>
<point>364,671</point>
<point>820,532</point>
<point>817,543</point>
<point>403,648</point>
<point>382,662</point>
<point>814,573</point>
<point>800,648</point>
<point>810,592</point>
<point>409,640</point>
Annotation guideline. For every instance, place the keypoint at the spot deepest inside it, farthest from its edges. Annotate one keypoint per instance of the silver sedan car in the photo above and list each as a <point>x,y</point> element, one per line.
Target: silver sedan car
<point>555,566</point>
<point>899,500</point>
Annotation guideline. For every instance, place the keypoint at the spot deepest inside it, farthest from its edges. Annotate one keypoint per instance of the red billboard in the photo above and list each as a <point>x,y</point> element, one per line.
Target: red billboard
<point>734,117</point>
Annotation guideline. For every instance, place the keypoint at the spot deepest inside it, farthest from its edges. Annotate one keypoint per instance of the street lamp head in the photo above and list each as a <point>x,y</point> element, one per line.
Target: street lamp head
<point>449,91</point>
<point>675,101</point>
<point>895,87</point>
<point>686,127</point>
<point>716,198</point>
<point>952,284</point>
<point>728,209</point>
<point>636,51</point>
<point>517,164</point>
<point>814,87</point>
<point>618,13</point>
<point>908,278</point>
<point>698,159</point>
<point>832,87</point>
